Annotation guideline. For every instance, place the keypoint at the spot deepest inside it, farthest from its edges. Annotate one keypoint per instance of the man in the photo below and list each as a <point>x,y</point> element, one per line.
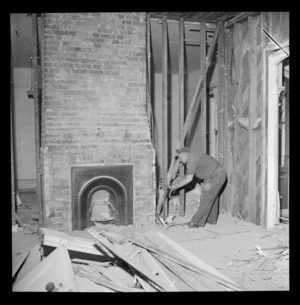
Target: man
<point>213,178</point>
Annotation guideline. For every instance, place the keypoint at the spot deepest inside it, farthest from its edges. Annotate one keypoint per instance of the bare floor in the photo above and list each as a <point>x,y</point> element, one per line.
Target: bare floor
<point>256,258</point>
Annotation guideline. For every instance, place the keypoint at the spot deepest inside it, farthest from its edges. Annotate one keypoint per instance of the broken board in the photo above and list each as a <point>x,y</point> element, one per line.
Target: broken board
<point>56,268</point>
<point>52,238</point>
<point>33,259</point>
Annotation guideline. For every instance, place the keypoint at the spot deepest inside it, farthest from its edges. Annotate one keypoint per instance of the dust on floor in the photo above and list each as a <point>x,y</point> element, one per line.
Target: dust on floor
<point>254,257</point>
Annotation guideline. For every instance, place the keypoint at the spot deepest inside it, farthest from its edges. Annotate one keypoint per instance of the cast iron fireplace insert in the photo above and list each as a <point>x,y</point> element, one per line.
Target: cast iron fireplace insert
<point>112,184</point>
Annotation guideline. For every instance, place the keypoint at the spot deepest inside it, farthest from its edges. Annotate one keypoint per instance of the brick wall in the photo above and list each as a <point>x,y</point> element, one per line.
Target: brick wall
<point>94,95</point>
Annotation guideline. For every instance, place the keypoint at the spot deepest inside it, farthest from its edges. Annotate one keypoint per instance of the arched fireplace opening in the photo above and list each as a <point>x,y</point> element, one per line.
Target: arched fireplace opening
<point>101,198</point>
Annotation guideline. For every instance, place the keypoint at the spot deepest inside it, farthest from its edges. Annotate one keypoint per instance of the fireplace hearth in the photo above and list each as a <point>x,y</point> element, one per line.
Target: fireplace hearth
<point>102,194</point>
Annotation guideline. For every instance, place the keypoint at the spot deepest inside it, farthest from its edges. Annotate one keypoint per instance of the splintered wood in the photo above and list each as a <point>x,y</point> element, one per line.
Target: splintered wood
<point>152,263</point>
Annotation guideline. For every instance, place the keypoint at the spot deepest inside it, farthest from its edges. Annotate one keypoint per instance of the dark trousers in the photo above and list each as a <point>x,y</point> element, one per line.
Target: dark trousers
<point>208,210</point>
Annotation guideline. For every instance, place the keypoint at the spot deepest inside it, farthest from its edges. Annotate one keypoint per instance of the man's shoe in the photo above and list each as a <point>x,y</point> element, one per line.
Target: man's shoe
<point>192,225</point>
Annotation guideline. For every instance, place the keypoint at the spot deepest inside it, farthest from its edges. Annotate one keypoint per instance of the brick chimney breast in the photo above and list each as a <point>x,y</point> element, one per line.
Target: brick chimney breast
<point>94,107</point>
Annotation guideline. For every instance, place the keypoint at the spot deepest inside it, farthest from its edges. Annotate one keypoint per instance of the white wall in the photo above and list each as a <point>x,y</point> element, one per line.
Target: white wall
<point>24,141</point>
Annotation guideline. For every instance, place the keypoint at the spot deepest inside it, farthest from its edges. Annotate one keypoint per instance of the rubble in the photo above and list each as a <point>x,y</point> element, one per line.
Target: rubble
<point>108,261</point>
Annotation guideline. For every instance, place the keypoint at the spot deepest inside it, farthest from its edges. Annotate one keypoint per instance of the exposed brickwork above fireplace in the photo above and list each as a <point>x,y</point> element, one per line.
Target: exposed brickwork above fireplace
<point>94,96</point>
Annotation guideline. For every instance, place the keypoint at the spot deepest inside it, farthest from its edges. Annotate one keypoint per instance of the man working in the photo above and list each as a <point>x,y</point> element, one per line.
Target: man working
<point>213,177</point>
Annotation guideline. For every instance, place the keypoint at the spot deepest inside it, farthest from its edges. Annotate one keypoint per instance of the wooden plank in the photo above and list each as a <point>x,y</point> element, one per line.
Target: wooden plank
<point>165,139</point>
<point>114,237</point>
<point>17,263</point>
<point>54,238</point>
<point>143,257</point>
<point>116,274</point>
<point>194,259</point>
<point>252,118</point>
<point>177,281</point>
<point>202,267</point>
<point>89,262</point>
<point>195,99</point>
<point>146,286</point>
<point>181,272</point>
<point>181,103</point>
<point>112,285</point>
<point>120,254</point>
<point>56,268</point>
<point>86,285</point>
<point>203,100</point>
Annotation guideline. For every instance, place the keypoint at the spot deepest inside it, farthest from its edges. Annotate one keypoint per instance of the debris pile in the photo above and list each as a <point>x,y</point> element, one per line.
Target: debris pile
<point>107,261</point>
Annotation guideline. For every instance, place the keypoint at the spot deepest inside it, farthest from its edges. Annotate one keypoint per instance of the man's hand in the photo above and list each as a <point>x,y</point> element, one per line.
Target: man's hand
<point>174,184</point>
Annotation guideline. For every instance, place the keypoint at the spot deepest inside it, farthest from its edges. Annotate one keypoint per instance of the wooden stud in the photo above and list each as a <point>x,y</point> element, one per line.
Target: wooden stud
<point>165,107</point>
<point>203,70</point>
<point>181,103</point>
<point>252,118</point>
<point>149,108</point>
<point>37,111</point>
<point>12,148</point>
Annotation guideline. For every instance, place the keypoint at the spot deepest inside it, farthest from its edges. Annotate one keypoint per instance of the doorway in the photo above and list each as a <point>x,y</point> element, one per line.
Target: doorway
<point>283,138</point>
<point>276,60</point>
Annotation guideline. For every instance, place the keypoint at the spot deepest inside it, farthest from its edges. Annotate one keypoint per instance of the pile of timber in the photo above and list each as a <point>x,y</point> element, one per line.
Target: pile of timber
<point>108,261</point>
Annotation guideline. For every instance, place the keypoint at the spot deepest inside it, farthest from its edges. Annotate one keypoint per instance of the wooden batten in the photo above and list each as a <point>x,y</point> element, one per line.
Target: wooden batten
<point>252,119</point>
<point>181,103</point>
<point>203,100</point>
<point>165,107</point>
<point>36,29</point>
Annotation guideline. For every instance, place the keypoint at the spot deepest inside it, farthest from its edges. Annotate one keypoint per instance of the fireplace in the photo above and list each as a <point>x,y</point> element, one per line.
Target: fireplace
<point>101,194</point>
